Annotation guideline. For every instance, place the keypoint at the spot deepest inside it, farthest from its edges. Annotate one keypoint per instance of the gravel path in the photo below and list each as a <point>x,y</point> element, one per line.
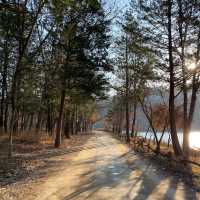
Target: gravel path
<point>104,169</point>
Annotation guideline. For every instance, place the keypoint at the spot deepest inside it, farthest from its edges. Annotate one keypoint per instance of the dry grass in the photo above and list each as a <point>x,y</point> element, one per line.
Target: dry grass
<point>31,153</point>
<point>173,165</point>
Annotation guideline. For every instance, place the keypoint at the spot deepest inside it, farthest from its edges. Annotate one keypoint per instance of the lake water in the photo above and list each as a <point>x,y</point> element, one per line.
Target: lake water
<point>194,138</point>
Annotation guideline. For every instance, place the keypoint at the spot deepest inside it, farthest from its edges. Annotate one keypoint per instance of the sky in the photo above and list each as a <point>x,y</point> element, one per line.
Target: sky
<point>120,6</point>
<point>119,3</point>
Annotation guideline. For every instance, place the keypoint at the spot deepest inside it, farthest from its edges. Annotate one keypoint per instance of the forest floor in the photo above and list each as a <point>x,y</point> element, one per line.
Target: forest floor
<point>94,167</point>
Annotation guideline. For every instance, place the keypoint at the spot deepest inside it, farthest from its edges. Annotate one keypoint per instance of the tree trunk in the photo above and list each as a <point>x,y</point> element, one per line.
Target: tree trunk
<point>67,129</point>
<point>127,95</point>
<point>67,125</point>
<point>76,120</point>
<point>5,123</point>
<point>121,115</point>
<point>72,122</point>
<point>10,144</point>
<point>183,35</point>
<point>31,122</point>
<point>134,119</point>
<point>4,85</point>
<point>60,119</point>
<point>195,88</point>
<point>39,119</point>
<point>23,118</point>
<point>14,97</point>
<point>49,119</point>
<point>175,141</point>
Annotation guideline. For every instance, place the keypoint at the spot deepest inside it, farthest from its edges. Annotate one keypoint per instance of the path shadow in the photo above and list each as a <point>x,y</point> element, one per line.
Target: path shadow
<point>176,182</point>
<point>117,171</point>
<point>108,176</point>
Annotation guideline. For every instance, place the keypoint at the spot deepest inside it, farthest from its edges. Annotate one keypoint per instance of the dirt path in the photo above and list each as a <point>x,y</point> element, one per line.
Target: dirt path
<point>105,169</point>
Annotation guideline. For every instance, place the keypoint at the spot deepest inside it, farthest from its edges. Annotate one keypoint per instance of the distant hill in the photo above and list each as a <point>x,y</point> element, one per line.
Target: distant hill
<point>142,123</point>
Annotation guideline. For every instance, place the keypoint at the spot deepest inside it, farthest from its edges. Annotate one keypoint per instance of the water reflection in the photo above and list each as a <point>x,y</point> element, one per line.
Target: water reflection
<point>194,138</point>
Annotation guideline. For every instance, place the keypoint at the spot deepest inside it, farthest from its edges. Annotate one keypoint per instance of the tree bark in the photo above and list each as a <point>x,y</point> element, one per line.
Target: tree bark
<point>39,119</point>
<point>4,85</point>
<point>134,119</point>
<point>183,35</point>
<point>60,119</point>
<point>127,94</point>
<point>175,141</point>
<point>49,118</point>
<point>31,122</point>
<point>67,126</point>
<point>5,123</point>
